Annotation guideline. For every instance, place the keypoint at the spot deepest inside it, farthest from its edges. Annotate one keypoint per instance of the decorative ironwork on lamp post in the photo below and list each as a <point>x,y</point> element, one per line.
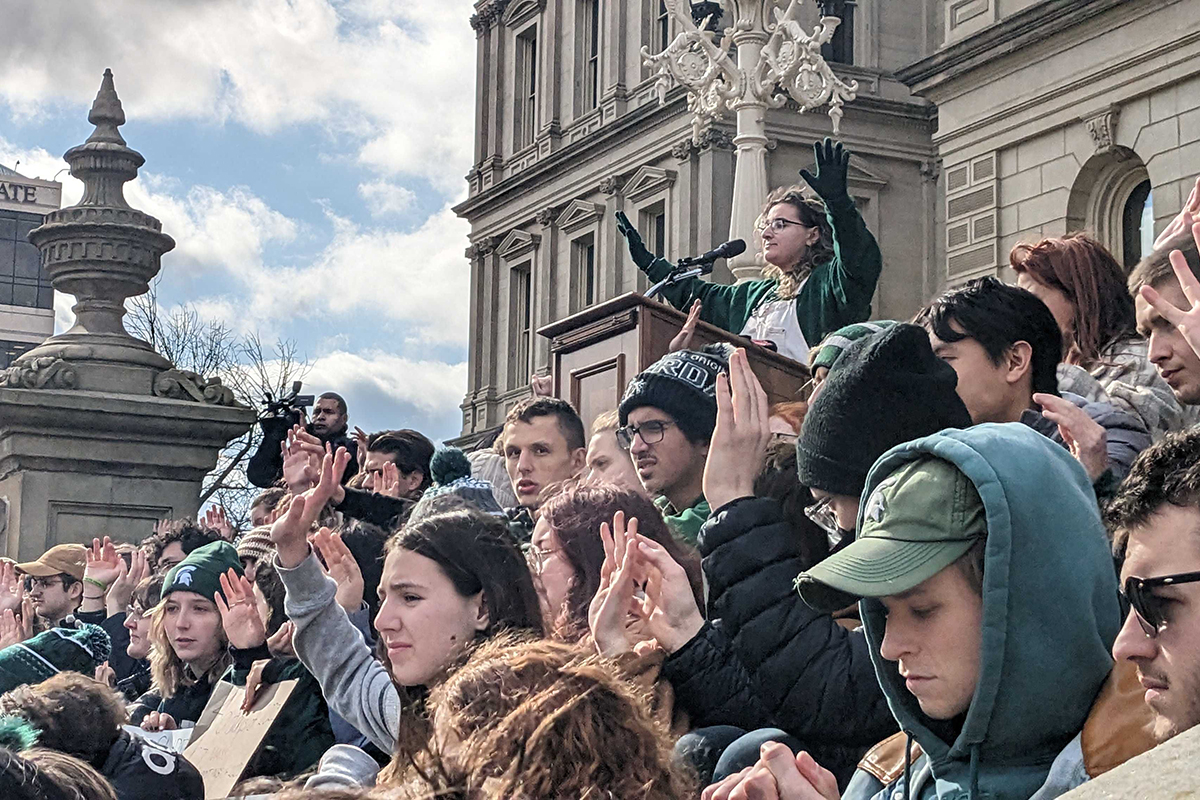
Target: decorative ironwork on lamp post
<point>776,61</point>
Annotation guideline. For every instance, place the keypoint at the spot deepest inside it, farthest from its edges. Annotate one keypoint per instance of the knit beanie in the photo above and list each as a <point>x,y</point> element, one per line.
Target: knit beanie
<point>832,346</point>
<point>888,388</point>
<point>451,472</point>
<point>489,466</point>
<point>200,572</point>
<point>684,385</point>
<point>80,649</point>
<point>256,543</point>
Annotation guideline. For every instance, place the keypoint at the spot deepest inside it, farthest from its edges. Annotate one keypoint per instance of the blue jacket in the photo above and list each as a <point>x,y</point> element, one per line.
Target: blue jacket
<point>1050,615</point>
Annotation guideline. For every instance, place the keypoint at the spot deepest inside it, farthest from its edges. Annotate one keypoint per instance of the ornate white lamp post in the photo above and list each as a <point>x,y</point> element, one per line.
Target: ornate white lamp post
<point>776,60</point>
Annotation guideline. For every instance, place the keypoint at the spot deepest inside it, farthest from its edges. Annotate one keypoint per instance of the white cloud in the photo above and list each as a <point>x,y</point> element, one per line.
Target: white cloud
<point>431,386</point>
<point>394,77</point>
<point>385,198</point>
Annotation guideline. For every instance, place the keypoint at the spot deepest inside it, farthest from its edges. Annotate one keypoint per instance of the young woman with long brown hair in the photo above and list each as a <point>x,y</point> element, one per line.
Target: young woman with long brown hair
<point>449,581</point>
<point>1084,287</point>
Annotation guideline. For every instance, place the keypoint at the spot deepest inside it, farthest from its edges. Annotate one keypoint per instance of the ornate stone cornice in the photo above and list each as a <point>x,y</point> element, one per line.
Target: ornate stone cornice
<point>546,216</point>
<point>682,151</point>
<point>40,373</point>
<point>178,384</point>
<point>715,139</point>
<point>486,15</point>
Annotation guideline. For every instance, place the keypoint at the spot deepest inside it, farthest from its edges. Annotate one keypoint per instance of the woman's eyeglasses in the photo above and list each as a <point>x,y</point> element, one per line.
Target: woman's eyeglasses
<point>823,516</point>
<point>778,224</point>
<point>537,558</point>
<point>1148,606</point>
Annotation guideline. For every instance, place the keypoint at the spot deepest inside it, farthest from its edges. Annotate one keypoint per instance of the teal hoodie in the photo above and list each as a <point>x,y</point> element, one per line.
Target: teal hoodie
<point>1050,615</point>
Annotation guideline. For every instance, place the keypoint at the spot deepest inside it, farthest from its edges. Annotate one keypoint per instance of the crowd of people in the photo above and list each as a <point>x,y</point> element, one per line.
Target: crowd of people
<point>963,563</point>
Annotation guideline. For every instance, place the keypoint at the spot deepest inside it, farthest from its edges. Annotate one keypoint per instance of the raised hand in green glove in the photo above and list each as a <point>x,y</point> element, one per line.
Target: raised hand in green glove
<point>637,248</point>
<point>833,162</point>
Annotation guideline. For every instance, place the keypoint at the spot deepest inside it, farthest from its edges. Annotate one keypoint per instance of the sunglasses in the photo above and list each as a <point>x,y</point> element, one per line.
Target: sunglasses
<point>1148,606</point>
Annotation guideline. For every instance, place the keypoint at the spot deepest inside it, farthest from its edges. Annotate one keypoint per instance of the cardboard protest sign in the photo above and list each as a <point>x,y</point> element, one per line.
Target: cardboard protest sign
<point>225,738</point>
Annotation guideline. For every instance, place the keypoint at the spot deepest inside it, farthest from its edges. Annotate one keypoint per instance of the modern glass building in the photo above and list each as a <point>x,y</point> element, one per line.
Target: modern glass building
<point>26,297</point>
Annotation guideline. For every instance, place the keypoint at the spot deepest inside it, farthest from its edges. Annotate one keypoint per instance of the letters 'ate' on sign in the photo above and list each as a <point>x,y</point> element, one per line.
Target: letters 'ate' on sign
<point>18,193</point>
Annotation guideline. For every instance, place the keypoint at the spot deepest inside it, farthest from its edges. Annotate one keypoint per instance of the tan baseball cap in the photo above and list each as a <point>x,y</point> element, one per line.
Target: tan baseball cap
<point>69,559</point>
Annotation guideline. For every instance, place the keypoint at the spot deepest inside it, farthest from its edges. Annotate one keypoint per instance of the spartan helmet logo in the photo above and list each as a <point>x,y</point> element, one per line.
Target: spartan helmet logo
<point>184,576</point>
<point>876,503</point>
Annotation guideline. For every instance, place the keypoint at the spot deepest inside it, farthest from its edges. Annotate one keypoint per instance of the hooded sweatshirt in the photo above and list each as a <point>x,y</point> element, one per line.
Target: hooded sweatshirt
<point>1050,615</point>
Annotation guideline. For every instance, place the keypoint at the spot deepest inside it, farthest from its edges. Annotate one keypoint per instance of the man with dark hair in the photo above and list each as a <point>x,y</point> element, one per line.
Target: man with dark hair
<point>77,715</point>
<point>544,444</point>
<point>667,416</point>
<point>54,582</point>
<point>1155,523</point>
<point>1166,316</point>
<point>172,540</point>
<point>409,450</point>
<point>330,418</point>
<point>1005,347</point>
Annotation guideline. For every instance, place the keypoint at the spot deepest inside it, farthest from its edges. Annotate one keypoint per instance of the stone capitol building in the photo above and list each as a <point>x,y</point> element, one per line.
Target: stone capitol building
<point>978,124</point>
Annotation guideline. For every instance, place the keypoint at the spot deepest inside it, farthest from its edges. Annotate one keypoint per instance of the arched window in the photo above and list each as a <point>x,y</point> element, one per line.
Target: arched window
<point>1137,224</point>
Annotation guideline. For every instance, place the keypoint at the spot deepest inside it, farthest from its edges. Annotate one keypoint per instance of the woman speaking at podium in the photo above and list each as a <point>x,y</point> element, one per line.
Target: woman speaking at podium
<point>822,265</point>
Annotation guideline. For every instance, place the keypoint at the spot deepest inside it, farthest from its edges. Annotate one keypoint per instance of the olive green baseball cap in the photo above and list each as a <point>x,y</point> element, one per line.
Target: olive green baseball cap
<point>918,521</point>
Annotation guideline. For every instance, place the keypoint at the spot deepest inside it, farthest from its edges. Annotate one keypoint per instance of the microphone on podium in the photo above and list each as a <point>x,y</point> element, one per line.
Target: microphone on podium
<point>729,249</point>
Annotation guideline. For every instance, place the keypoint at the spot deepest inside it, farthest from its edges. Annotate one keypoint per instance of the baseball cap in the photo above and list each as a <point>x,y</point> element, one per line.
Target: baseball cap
<point>70,559</point>
<point>918,521</point>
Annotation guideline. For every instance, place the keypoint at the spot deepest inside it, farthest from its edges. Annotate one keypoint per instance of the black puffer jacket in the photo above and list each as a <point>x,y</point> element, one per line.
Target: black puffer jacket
<point>139,770</point>
<point>811,677</point>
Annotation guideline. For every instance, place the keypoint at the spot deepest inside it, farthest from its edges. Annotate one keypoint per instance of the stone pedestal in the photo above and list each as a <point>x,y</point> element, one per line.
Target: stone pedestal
<point>99,434</point>
<point>77,464</point>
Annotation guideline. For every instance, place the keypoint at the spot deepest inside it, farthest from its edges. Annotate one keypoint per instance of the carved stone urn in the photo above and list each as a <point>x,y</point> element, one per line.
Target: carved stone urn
<point>102,252</point>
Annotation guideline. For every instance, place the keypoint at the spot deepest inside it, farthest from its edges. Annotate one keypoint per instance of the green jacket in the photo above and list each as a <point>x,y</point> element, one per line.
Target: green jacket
<point>837,293</point>
<point>1050,615</point>
<point>685,524</point>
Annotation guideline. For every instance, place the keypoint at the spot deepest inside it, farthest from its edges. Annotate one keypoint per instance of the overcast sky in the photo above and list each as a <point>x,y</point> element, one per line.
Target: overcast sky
<point>303,154</point>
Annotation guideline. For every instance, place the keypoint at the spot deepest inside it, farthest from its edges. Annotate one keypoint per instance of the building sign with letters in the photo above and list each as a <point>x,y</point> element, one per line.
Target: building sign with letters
<point>29,195</point>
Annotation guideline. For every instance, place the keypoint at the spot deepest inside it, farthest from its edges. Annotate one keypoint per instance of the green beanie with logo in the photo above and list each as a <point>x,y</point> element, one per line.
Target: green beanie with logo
<point>201,571</point>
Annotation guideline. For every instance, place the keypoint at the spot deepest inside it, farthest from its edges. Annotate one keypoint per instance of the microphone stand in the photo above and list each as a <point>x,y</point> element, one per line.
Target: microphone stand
<point>681,273</point>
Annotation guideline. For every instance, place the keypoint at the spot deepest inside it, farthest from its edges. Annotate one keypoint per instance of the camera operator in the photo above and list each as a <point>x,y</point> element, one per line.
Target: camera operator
<point>328,424</point>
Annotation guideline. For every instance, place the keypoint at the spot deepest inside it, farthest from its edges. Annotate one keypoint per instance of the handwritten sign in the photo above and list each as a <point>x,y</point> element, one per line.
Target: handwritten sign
<point>225,738</point>
<point>175,741</point>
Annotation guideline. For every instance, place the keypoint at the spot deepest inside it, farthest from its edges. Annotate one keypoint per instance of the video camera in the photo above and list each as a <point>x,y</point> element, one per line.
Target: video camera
<point>291,406</point>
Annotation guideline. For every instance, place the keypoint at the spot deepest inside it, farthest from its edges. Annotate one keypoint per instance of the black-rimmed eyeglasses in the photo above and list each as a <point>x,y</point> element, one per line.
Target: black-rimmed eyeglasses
<point>1148,606</point>
<point>651,431</point>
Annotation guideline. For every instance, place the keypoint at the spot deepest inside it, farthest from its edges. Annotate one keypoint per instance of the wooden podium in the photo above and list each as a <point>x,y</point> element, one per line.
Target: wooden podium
<point>595,353</point>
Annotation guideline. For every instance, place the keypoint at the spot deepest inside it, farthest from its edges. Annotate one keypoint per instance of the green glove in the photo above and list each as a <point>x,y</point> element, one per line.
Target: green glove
<point>833,162</point>
<point>637,248</point>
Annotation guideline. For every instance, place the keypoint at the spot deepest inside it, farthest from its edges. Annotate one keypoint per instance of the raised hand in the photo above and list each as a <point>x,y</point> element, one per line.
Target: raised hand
<point>280,644</point>
<point>290,532</point>
<point>833,165</point>
<point>1086,438</point>
<point>1184,220</point>
<point>669,609</point>
<point>216,519</point>
<point>637,248</point>
<point>12,587</point>
<point>342,567</point>
<point>301,460</point>
<point>1186,320</point>
<point>244,628</point>
<point>740,438</point>
<point>360,439</point>
<point>541,385</point>
<point>610,609</point>
<point>106,675</point>
<point>128,577</point>
<point>11,630</point>
<point>388,482</point>
<point>683,339</point>
<point>103,562</point>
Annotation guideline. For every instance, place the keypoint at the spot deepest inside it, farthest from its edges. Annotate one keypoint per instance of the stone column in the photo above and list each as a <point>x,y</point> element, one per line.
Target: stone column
<point>99,434</point>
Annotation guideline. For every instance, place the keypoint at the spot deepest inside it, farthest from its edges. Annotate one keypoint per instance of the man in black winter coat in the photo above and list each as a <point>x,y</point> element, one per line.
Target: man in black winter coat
<point>764,659</point>
<point>81,717</point>
<point>329,424</point>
